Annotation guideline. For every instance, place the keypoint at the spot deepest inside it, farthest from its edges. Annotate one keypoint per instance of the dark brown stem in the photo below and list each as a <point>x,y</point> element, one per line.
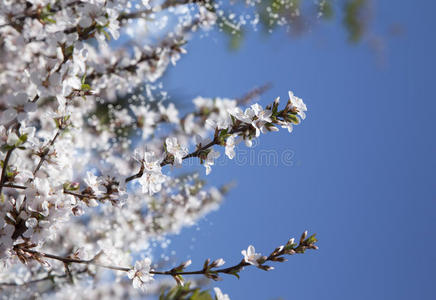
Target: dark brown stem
<point>73,260</point>
<point>207,269</point>
<point>14,186</point>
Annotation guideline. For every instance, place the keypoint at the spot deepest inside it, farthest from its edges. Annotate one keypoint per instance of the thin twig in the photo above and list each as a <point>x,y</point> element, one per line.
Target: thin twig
<point>46,151</point>
<point>48,277</point>
<point>276,256</point>
<point>73,260</point>
<point>256,92</point>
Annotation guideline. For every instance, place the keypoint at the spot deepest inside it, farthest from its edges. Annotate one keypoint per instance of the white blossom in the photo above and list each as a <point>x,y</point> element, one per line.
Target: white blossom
<point>219,294</point>
<point>140,274</point>
<point>250,256</point>
<point>174,148</point>
<point>230,146</point>
<point>75,107</point>
<point>210,160</point>
<point>298,104</point>
<point>151,182</point>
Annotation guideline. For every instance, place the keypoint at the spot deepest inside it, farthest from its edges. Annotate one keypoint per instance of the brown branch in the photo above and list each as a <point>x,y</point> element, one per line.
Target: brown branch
<point>154,55</point>
<point>68,260</point>
<point>256,92</point>
<point>207,270</point>
<point>13,186</point>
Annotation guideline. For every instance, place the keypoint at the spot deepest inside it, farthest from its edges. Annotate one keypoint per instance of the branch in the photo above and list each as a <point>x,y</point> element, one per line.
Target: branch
<point>168,42</point>
<point>46,151</point>
<point>246,130</point>
<point>196,153</point>
<point>48,277</point>
<point>209,269</point>
<point>256,92</point>
<point>38,255</point>
<point>167,4</point>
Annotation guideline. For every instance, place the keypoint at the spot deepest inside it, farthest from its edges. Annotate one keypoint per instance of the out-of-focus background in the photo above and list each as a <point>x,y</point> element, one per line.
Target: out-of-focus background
<point>359,171</point>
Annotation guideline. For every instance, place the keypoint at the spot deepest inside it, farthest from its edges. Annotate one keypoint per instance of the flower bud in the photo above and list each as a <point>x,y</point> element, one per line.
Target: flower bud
<point>217,263</point>
<point>276,102</point>
<point>303,237</point>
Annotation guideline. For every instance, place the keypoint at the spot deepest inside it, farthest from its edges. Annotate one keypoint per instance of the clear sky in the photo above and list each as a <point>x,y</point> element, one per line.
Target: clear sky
<point>362,173</point>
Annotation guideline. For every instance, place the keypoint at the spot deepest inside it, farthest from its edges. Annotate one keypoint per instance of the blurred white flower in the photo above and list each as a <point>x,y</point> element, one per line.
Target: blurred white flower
<point>230,146</point>
<point>219,295</point>
<point>210,160</point>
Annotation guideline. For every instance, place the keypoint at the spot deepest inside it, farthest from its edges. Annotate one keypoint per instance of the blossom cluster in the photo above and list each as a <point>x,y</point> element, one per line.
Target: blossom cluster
<point>85,143</point>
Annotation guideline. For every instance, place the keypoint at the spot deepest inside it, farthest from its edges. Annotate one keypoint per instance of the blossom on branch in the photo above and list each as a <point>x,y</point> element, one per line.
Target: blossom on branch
<point>140,274</point>
<point>87,132</point>
<point>251,257</point>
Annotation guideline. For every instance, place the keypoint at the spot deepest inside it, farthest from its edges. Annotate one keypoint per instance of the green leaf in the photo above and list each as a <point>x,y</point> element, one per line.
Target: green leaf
<point>85,87</point>
<point>69,51</point>
<point>21,140</point>
<point>235,273</point>
<point>354,19</point>
<point>312,239</point>
<point>326,10</point>
<point>293,118</point>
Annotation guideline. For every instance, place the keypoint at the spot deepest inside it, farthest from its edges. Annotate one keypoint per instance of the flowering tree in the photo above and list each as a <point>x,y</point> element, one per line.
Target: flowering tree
<point>88,137</point>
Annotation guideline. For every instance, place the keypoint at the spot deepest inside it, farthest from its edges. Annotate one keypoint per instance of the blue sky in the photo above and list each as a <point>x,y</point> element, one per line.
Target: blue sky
<point>362,176</point>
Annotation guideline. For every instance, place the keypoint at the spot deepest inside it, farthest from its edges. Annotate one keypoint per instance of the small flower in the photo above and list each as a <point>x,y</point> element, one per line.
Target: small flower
<point>175,149</point>
<point>92,181</point>
<point>150,161</point>
<point>152,182</point>
<point>230,146</point>
<point>219,295</point>
<point>262,117</point>
<point>170,113</point>
<point>141,273</point>
<point>298,104</point>
<point>261,114</point>
<point>113,25</point>
<point>12,139</point>
<point>250,256</point>
<point>18,107</point>
<point>286,125</point>
<point>210,160</point>
<point>152,179</point>
<point>244,116</point>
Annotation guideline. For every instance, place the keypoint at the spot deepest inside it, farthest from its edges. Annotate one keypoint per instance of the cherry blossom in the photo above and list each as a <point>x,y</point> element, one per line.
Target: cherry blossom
<point>298,104</point>
<point>220,295</point>
<point>87,131</point>
<point>140,274</point>
<point>210,160</point>
<point>230,146</point>
<point>174,148</point>
<point>250,256</point>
